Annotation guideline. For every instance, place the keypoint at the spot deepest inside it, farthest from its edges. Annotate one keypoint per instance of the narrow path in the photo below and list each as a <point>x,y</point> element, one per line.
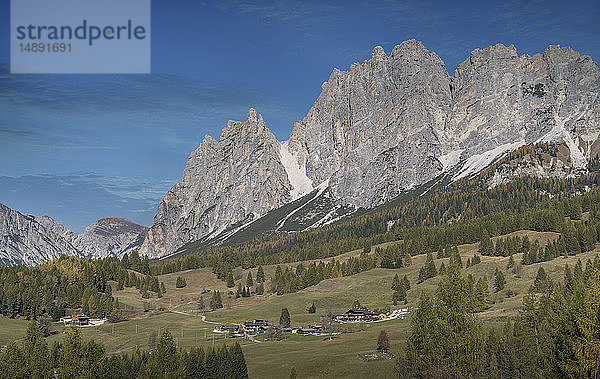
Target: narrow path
<point>251,338</point>
<point>203,317</point>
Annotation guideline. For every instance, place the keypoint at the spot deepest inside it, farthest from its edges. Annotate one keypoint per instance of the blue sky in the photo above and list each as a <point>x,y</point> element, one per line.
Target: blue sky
<point>83,147</point>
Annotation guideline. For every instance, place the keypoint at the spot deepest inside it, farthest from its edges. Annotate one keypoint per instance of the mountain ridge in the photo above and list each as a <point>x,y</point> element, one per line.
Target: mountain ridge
<point>31,240</point>
<point>383,127</point>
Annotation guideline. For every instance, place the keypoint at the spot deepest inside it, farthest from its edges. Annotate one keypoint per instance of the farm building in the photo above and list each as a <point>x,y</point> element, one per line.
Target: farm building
<point>360,315</point>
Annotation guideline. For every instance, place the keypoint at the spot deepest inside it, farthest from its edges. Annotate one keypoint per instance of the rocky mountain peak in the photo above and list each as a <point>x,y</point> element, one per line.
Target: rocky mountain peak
<point>24,240</point>
<point>114,226</point>
<point>409,47</point>
<point>245,176</point>
<point>110,237</point>
<point>561,54</point>
<point>30,240</point>
<point>252,116</point>
<point>381,128</point>
<point>379,54</point>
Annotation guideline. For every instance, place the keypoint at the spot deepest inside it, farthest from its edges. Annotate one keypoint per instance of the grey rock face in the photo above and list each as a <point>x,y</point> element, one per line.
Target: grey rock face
<point>373,131</point>
<point>23,240</point>
<point>110,237</point>
<point>234,180</point>
<point>501,100</point>
<point>385,126</point>
<point>103,238</point>
<point>31,240</point>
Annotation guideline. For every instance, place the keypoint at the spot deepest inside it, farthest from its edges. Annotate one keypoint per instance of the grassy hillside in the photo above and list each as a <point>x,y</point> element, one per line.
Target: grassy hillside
<point>312,356</point>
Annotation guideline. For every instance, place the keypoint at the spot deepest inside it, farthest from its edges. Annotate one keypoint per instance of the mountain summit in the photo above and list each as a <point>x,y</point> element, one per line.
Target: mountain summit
<point>379,129</point>
<point>31,240</point>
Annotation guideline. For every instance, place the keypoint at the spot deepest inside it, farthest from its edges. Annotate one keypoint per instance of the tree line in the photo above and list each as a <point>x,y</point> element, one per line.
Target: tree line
<point>52,288</point>
<point>562,216</point>
<point>450,215</point>
<point>75,358</point>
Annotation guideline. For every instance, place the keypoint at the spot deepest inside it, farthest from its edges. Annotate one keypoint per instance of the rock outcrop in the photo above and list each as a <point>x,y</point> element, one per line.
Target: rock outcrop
<point>501,100</point>
<point>373,131</point>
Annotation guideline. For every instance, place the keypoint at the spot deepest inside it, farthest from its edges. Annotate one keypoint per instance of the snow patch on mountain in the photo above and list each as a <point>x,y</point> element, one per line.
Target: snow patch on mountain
<point>478,162</point>
<point>451,159</point>
<point>301,184</point>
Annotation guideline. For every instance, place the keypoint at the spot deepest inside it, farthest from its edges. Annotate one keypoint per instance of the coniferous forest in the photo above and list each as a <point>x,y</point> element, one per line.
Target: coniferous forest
<point>75,358</point>
<point>555,335</point>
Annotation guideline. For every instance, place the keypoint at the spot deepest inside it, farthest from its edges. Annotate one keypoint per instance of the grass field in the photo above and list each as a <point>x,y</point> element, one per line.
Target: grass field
<point>312,356</point>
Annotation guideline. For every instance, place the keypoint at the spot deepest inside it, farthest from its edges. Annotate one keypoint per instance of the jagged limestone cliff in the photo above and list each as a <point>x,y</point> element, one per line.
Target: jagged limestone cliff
<point>382,127</point>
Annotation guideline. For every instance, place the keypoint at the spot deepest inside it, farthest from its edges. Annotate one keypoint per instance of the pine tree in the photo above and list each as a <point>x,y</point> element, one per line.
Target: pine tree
<point>260,275</point>
<point>249,281</point>
<point>230,281</point>
<point>399,294</point>
<point>443,339</point>
<point>430,266</point>
<point>284,319</point>
<point>499,281</point>
<point>482,295</point>
<point>238,362</point>
<point>219,301</point>
<point>406,259</point>
<point>260,289</point>
<point>406,283</point>
<point>455,258</point>
<point>396,283</point>
<point>166,354</point>
<point>13,362</point>
<point>586,348</point>
<point>71,364</point>
<point>575,210</point>
<point>35,349</point>
<point>180,282</point>
<point>486,246</point>
<point>212,364</point>
<point>442,270</point>
<point>428,270</point>
<point>542,282</point>
<point>511,262</point>
<point>422,275</point>
<point>215,300</point>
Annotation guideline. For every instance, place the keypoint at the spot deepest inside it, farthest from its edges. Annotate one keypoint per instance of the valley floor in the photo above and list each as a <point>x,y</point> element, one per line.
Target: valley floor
<point>312,356</point>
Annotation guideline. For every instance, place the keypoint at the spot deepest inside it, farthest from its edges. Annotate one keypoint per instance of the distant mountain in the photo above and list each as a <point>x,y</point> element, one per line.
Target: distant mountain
<point>31,240</point>
<point>380,129</point>
<point>110,237</point>
<point>24,240</point>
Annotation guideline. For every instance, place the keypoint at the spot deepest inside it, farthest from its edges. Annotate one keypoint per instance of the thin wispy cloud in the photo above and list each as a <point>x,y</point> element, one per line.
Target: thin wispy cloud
<point>17,133</point>
<point>79,199</point>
